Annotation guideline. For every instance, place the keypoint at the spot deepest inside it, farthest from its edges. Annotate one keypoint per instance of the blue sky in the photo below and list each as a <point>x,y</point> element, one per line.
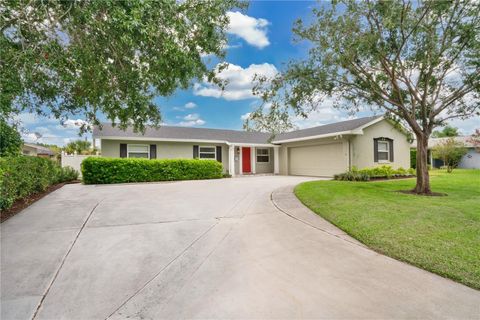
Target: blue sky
<point>260,41</point>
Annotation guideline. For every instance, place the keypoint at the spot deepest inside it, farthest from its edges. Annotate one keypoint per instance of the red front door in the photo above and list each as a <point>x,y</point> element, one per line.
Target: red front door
<point>246,164</point>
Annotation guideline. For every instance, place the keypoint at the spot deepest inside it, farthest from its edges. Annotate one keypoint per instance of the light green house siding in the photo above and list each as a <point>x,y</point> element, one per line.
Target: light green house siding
<point>362,146</point>
<point>165,150</point>
<point>182,150</point>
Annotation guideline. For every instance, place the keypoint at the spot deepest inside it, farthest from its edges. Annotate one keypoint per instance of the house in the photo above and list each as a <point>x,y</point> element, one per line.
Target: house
<point>471,160</point>
<point>319,151</point>
<point>35,150</point>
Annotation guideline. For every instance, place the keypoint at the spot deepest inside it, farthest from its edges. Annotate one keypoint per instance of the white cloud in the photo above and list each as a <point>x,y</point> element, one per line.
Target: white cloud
<point>74,124</point>
<point>192,123</point>
<point>42,135</point>
<point>466,127</point>
<point>190,105</point>
<point>252,30</point>
<point>233,46</point>
<point>27,118</point>
<point>192,119</point>
<point>192,116</point>
<point>41,129</point>
<point>245,116</point>
<point>239,82</point>
<point>325,113</point>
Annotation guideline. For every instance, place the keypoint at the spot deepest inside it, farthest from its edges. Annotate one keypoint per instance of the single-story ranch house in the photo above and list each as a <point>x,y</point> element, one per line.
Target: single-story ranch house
<point>318,151</point>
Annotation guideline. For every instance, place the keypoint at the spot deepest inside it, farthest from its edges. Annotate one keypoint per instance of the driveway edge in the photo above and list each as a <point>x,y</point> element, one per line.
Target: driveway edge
<point>284,200</point>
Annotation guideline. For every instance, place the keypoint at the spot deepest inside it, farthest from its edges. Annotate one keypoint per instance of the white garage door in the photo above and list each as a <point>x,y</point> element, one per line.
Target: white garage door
<point>318,160</point>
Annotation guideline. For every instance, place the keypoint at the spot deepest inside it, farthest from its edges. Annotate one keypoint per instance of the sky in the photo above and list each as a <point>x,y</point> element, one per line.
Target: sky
<point>260,40</point>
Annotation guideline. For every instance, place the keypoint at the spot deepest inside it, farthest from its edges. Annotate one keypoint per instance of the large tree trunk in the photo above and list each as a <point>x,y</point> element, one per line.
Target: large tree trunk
<point>423,178</point>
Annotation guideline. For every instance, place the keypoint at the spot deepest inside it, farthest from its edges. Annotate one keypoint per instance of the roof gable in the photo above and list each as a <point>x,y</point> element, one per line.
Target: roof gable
<point>332,128</point>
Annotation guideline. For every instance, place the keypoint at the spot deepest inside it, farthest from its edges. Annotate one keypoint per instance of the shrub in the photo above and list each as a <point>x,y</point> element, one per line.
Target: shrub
<point>115,170</point>
<point>23,175</point>
<point>377,172</point>
<point>352,176</point>
<point>66,174</point>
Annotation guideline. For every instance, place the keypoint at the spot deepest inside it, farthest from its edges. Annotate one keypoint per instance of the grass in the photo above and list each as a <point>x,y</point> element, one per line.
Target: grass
<point>439,234</point>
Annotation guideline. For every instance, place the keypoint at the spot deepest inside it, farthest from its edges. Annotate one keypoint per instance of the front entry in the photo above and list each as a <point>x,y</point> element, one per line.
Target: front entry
<point>246,161</point>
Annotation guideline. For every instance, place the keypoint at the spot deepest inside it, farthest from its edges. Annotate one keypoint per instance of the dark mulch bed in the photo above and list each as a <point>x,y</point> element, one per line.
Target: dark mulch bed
<point>432,194</point>
<point>21,204</point>
<point>392,178</point>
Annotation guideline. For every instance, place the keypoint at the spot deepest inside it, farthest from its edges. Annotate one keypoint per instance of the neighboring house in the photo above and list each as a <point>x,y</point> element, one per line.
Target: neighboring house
<point>319,151</point>
<point>471,160</point>
<point>35,150</point>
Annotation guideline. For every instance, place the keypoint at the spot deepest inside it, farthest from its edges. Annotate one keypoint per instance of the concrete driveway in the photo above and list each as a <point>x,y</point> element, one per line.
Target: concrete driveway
<point>204,249</point>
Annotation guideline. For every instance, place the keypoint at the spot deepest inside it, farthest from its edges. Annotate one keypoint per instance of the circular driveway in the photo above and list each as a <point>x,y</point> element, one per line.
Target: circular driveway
<point>204,249</point>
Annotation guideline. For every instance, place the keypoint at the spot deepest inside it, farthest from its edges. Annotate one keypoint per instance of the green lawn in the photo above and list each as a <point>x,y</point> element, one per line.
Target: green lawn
<point>440,234</point>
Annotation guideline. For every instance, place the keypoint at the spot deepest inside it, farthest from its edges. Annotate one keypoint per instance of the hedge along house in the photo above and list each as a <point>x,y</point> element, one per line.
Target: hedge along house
<point>318,151</point>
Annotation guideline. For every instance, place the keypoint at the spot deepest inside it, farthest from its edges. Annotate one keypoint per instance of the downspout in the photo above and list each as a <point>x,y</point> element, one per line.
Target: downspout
<point>349,156</point>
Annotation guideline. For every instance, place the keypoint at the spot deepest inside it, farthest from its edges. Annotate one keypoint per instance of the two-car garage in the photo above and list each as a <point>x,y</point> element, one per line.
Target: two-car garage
<point>317,160</point>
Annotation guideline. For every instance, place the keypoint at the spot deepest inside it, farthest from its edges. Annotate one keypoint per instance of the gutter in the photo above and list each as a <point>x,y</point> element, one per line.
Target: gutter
<point>327,135</point>
<point>183,140</point>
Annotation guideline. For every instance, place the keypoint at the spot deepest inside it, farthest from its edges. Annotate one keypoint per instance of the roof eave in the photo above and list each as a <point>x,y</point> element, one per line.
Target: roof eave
<point>368,124</point>
<point>320,136</point>
<point>253,144</point>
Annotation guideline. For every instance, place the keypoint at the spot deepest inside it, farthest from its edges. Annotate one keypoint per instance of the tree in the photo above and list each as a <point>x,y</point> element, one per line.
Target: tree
<point>111,57</point>
<point>273,122</point>
<point>417,62</point>
<point>475,140</point>
<point>448,131</point>
<point>80,147</point>
<point>10,140</point>
<point>451,152</point>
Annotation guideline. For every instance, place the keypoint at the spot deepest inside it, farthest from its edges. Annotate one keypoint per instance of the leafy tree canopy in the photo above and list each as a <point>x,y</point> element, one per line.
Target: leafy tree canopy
<point>416,61</point>
<point>105,56</point>
<point>448,131</point>
<point>10,140</point>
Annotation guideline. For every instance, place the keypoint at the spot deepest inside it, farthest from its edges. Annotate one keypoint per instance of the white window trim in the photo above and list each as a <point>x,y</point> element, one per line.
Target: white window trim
<point>387,151</point>
<point>262,155</point>
<point>136,144</point>
<point>200,152</point>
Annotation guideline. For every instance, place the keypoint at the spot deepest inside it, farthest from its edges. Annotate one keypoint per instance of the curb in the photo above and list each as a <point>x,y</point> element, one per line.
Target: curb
<point>285,201</point>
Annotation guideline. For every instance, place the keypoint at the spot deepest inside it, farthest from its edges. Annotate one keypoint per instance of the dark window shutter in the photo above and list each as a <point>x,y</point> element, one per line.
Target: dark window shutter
<point>195,152</point>
<point>375,150</point>
<point>153,151</point>
<point>391,149</point>
<point>123,150</point>
<point>219,153</point>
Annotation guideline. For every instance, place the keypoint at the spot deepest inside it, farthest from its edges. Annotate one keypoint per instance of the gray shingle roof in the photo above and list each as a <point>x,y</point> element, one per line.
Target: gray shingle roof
<point>180,133</point>
<point>325,129</point>
<point>231,136</point>
<point>40,149</point>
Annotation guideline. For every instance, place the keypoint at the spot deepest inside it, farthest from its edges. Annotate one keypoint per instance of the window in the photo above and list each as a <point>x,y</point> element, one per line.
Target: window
<point>138,151</point>
<point>263,155</point>
<point>207,153</point>
<point>383,150</point>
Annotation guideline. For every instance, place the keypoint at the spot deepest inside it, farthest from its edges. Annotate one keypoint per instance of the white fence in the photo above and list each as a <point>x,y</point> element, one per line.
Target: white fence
<point>74,160</point>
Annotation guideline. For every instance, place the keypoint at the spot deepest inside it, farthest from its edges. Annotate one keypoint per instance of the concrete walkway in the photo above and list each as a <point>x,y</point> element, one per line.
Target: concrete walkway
<point>230,248</point>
